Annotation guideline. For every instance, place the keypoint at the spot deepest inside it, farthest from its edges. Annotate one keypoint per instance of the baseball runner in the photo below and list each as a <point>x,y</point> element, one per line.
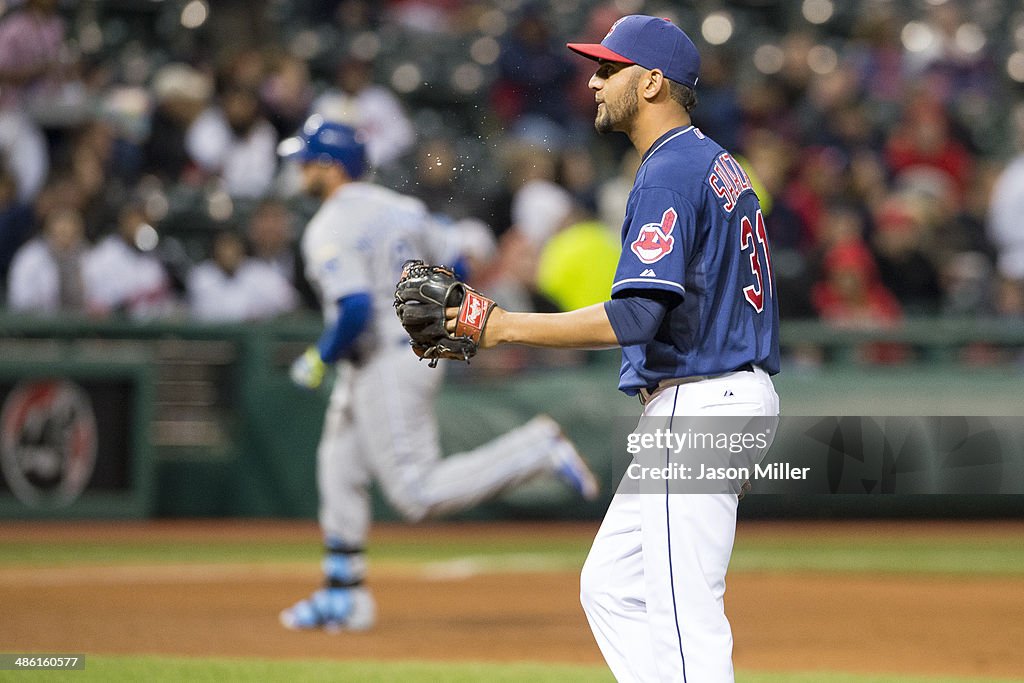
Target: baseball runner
<point>380,423</point>
<point>693,308</point>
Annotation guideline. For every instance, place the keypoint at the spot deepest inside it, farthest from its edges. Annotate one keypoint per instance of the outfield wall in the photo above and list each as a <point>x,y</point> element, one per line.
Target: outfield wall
<point>202,420</point>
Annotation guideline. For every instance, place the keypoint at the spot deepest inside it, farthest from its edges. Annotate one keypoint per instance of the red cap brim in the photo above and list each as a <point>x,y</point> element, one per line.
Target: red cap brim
<point>597,51</point>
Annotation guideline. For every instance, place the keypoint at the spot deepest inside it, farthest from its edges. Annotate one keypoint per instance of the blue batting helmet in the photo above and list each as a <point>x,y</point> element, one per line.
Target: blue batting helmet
<point>328,142</point>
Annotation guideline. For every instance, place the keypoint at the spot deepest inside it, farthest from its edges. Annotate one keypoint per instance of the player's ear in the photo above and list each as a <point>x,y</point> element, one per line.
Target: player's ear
<point>653,84</point>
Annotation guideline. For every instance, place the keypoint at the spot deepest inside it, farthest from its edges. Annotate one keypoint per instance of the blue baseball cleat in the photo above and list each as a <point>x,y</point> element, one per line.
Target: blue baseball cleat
<point>333,610</point>
<point>570,467</point>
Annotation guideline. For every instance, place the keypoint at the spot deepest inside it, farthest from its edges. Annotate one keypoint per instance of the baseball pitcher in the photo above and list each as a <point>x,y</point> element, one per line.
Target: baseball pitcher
<point>693,308</point>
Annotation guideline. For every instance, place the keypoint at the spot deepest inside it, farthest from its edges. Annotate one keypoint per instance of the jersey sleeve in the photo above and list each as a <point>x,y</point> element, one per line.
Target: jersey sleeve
<point>658,234</point>
<point>340,269</point>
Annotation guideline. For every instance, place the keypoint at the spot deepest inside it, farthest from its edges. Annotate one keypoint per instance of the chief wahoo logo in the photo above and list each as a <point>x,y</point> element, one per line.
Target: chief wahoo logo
<point>612,29</point>
<point>655,240</point>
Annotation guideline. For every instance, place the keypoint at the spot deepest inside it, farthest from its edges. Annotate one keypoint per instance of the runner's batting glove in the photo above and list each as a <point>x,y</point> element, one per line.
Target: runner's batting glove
<point>421,297</point>
<point>308,370</point>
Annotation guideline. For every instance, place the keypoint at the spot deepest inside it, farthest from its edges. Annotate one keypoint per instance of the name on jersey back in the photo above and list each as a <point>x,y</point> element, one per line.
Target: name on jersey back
<point>728,180</point>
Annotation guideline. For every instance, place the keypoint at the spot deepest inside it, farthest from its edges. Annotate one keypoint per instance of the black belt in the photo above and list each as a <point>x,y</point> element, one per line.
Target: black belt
<point>645,394</point>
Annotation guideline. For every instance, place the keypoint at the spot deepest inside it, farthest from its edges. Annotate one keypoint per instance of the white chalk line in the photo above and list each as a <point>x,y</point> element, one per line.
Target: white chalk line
<point>454,569</point>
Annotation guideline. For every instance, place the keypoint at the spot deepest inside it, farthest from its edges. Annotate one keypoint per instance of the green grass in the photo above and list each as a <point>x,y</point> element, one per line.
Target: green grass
<point>933,556</point>
<point>130,669</point>
<point>69,553</point>
<point>833,677</point>
<point>900,556</point>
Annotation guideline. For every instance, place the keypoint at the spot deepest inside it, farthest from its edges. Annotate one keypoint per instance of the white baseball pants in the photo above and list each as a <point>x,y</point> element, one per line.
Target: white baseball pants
<point>654,582</point>
<point>381,425</point>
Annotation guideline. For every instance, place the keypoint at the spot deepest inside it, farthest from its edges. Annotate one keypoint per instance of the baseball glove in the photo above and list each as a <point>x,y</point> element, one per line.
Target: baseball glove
<point>421,297</point>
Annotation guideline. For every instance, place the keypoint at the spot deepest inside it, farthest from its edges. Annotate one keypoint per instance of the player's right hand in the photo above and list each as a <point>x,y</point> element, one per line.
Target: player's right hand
<point>307,371</point>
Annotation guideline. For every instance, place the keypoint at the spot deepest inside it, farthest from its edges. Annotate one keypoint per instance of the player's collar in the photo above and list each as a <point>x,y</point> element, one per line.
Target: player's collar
<point>663,140</point>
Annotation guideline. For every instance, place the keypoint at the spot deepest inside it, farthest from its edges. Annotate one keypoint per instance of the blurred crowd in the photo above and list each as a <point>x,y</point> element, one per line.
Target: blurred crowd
<point>140,173</point>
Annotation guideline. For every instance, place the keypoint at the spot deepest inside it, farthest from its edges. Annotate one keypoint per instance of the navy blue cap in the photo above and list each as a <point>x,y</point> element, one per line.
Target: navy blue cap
<point>327,142</point>
<point>651,42</point>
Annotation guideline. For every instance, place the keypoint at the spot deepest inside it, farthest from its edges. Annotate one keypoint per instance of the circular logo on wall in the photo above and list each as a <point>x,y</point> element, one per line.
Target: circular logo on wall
<point>47,442</point>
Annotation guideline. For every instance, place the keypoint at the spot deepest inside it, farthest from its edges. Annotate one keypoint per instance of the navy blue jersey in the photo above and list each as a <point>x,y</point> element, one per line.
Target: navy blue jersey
<point>693,228</point>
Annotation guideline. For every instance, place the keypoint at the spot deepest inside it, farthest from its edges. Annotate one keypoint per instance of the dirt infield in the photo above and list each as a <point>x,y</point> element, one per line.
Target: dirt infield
<point>955,625</point>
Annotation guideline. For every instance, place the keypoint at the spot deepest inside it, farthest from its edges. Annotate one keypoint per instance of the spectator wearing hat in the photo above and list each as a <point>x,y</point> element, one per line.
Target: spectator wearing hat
<point>905,267</point>
<point>922,150</point>
<point>181,94</point>
<point>850,293</point>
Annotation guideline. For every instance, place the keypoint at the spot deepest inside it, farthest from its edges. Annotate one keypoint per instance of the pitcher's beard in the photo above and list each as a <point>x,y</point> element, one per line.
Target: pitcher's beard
<point>602,122</point>
<point>615,116</point>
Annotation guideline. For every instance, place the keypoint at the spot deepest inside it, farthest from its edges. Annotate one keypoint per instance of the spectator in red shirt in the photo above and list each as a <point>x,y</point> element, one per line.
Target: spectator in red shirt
<point>851,296</point>
<point>922,144</point>
<point>820,180</point>
<point>850,293</point>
